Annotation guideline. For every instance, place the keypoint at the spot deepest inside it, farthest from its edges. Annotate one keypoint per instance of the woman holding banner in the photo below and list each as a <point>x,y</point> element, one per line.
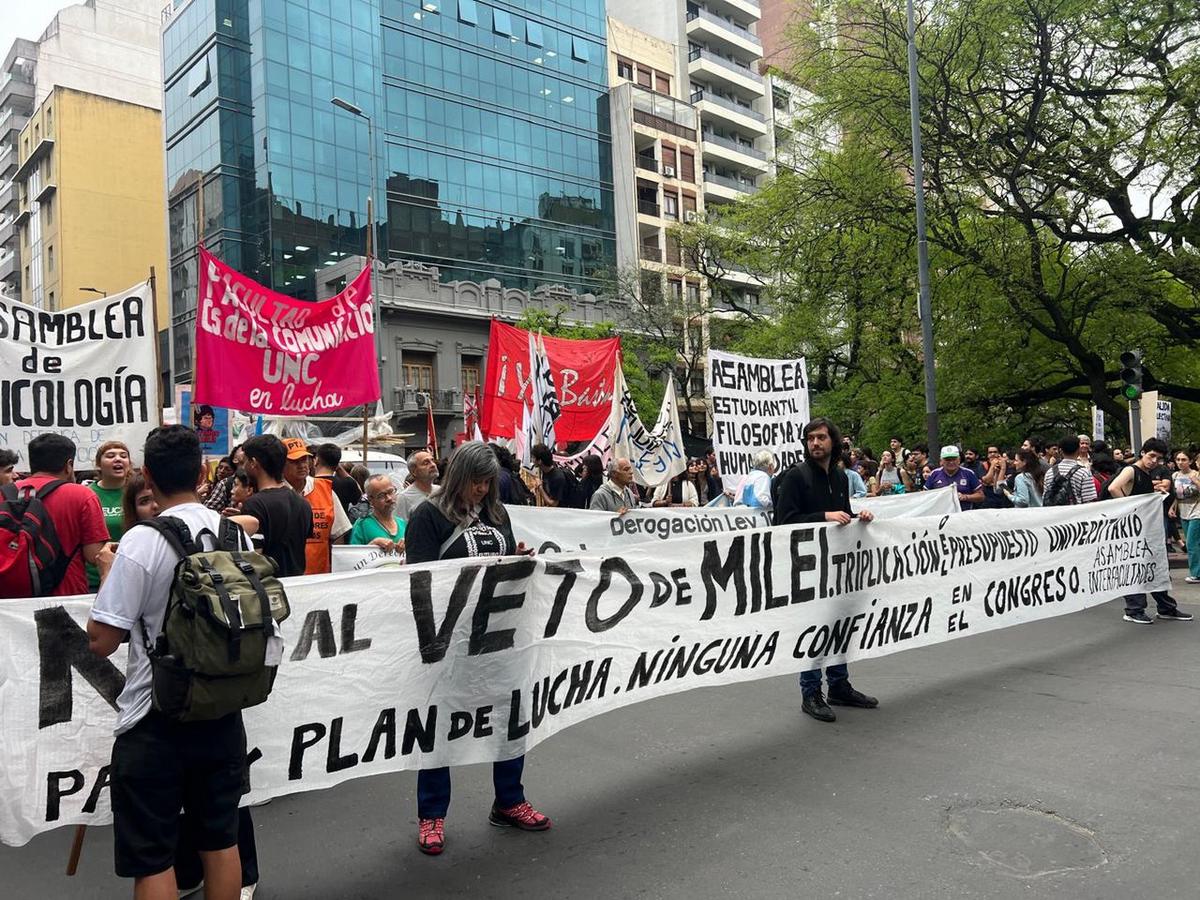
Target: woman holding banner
<point>467,520</point>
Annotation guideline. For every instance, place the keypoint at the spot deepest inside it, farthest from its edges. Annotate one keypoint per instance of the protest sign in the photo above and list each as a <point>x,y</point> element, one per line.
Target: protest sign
<point>478,660</point>
<point>757,404</point>
<point>88,373</point>
<point>582,372</point>
<point>263,352</point>
<point>211,423</point>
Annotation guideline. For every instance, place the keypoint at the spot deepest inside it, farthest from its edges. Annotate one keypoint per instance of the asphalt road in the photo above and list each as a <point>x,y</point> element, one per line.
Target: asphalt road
<point>1057,759</point>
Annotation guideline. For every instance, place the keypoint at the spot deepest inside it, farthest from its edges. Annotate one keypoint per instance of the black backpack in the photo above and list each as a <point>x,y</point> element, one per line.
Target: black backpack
<point>1060,489</point>
<point>32,561</point>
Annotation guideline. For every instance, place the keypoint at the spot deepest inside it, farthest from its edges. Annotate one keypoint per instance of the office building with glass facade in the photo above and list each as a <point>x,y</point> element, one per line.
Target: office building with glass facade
<point>491,141</point>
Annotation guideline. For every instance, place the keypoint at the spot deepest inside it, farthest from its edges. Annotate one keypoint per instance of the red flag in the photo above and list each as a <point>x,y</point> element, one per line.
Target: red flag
<point>431,430</point>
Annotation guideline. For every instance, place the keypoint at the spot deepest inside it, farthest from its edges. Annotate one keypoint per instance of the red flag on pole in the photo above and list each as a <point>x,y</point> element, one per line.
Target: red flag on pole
<point>431,429</point>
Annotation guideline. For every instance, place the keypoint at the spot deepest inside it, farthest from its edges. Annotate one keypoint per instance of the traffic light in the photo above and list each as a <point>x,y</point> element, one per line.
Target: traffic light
<point>1131,374</point>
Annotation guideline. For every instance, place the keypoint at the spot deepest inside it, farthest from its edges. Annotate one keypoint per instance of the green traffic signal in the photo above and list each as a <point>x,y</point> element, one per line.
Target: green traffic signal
<point>1131,392</point>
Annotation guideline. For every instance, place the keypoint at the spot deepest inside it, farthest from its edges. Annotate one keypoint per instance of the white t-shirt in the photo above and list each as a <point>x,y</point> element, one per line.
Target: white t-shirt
<point>412,497</point>
<point>1187,496</point>
<point>136,589</point>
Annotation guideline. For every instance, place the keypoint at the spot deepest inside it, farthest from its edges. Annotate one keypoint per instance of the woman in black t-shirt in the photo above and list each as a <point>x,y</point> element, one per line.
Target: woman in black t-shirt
<point>466,520</point>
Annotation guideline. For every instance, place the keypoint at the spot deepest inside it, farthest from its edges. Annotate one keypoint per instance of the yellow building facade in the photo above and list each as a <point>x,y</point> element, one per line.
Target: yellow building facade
<point>92,213</point>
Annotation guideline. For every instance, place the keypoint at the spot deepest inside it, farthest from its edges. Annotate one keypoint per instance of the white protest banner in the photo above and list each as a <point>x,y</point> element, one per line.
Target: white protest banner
<point>360,557</point>
<point>757,404</point>
<point>87,373</point>
<point>479,660</point>
<point>1162,420</point>
<point>938,502</point>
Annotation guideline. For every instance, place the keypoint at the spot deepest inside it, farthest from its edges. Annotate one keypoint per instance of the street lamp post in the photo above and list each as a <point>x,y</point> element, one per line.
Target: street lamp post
<point>92,290</point>
<point>355,110</point>
<point>923,304</point>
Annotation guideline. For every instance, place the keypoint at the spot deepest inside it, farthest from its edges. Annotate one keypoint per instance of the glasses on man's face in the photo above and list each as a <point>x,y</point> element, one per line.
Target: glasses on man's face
<point>391,492</point>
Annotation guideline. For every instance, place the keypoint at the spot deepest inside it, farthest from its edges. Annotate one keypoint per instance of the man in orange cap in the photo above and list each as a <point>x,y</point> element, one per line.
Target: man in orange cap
<point>330,522</point>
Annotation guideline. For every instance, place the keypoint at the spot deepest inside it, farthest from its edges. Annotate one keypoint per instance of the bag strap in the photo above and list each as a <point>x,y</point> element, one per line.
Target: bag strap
<point>49,488</point>
<point>229,535</point>
<point>233,613</point>
<point>10,493</point>
<point>247,569</point>
<point>455,535</point>
<point>174,531</point>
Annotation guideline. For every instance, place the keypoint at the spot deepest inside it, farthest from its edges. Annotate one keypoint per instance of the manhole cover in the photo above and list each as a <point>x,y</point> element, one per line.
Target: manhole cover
<point>1025,842</point>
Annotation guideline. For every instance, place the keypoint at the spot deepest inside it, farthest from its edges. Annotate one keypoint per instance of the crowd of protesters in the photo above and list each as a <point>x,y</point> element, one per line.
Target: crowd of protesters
<point>294,501</point>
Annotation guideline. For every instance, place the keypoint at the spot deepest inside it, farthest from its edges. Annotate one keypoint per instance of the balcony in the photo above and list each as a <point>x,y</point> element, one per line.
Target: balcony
<point>42,151</point>
<point>650,253</point>
<point>704,65</point>
<point>8,231</point>
<point>16,92</point>
<point>8,197</point>
<point>738,115</point>
<point>47,190</point>
<point>745,9</point>
<point>8,267</point>
<point>725,188</point>
<point>705,26</point>
<point>663,113</point>
<point>737,153</point>
<point>11,124</point>
<point>647,163</point>
<point>411,400</point>
<point>649,208</point>
<point>8,162</point>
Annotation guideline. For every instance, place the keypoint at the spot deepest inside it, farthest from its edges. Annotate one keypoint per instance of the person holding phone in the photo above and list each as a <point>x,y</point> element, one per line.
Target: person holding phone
<point>467,520</point>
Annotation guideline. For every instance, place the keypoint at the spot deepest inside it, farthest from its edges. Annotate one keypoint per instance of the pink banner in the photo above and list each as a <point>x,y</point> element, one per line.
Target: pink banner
<point>262,352</point>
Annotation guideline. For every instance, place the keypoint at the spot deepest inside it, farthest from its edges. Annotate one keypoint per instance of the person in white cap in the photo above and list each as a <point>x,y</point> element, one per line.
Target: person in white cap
<point>966,482</point>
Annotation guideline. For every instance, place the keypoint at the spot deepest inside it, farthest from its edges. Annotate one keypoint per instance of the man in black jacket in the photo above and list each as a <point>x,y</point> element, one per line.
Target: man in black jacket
<point>817,490</point>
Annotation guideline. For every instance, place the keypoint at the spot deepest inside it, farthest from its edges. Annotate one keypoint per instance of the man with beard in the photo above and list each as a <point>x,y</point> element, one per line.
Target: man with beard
<point>817,490</point>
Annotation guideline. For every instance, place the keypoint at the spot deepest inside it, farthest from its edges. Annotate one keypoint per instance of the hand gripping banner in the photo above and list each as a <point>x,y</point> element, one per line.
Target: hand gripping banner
<point>262,352</point>
<point>479,660</point>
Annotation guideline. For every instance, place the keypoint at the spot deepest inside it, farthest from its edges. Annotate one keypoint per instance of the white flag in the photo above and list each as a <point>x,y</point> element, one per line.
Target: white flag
<point>546,407</point>
<point>657,455</point>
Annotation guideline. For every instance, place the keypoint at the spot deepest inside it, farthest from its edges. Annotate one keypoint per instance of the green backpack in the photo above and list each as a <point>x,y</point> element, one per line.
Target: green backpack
<point>210,657</point>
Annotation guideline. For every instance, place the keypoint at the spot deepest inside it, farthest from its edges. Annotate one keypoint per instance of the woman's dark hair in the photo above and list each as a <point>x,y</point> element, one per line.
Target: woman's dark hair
<point>593,467</point>
<point>268,451</point>
<point>242,477</point>
<point>471,462</point>
<point>819,422</point>
<point>360,473</point>
<point>504,455</point>
<point>1105,465</point>
<point>134,486</point>
<point>173,458</point>
<point>1033,467</point>
<point>869,467</point>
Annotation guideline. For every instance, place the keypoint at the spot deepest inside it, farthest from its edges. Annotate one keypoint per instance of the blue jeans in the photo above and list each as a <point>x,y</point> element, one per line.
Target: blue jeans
<point>433,788</point>
<point>810,681</point>
<point>1191,534</point>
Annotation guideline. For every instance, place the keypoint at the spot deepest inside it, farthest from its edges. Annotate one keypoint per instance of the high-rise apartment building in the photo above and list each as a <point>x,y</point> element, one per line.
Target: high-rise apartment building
<point>81,189</point>
<point>490,130</point>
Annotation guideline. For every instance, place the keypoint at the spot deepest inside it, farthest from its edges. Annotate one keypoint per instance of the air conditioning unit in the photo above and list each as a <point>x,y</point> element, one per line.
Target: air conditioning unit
<point>422,400</point>
<point>669,171</point>
<point>690,215</point>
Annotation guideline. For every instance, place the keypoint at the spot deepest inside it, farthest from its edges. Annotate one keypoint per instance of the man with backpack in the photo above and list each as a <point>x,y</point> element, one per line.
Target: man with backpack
<point>1143,478</point>
<point>160,763</point>
<point>49,525</point>
<point>1068,482</point>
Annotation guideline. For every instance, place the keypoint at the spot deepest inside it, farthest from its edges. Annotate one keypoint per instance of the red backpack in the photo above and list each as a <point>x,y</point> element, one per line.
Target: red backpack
<point>32,561</point>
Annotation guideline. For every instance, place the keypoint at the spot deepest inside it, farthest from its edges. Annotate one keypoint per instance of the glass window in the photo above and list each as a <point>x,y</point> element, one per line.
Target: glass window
<point>199,77</point>
<point>625,69</point>
<point>533,34</point>
<point>502,22</point>
<point>580,49</point>
<point>467,12</point>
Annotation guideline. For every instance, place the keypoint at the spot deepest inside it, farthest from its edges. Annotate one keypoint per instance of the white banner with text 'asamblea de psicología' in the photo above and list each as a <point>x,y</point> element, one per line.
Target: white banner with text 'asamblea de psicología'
<point>479,660</point>
<point>87,372</point>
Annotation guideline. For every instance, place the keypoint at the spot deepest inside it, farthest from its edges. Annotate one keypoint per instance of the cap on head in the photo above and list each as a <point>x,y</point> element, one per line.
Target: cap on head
<point>296,448</point>
<point>949,452</point>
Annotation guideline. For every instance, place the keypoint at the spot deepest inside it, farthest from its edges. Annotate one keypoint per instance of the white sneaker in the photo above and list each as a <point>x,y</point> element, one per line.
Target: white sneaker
<point>248,891</point>
<point>1192,579</point>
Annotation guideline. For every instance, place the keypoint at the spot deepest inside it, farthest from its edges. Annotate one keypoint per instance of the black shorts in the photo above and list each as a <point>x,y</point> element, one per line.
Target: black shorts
<point>159,767</point>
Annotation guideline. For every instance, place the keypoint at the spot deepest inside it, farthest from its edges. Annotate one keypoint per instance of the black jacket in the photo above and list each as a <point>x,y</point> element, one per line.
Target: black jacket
<point>805,492</point>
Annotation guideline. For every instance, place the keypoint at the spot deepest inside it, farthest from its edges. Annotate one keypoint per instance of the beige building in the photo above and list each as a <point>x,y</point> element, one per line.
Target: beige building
<point>90,190</point>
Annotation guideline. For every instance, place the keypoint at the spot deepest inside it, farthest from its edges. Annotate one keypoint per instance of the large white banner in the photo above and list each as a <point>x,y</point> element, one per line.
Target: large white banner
<point>479,660</point>
<point>552,530</point>
<point>88,373</point>
<point>757,404</point>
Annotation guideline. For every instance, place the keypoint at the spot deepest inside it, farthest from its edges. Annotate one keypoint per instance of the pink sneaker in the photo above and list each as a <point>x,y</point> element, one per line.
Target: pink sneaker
<point>522,816</point>
<point>431,836</point>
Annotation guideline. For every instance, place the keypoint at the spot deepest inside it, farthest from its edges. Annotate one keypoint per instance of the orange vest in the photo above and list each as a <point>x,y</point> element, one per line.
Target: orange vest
<point>317,556</point>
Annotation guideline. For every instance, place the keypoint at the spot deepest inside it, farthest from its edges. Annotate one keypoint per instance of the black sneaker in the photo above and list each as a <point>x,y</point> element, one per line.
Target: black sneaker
<point>1139,618</point>
<point>1174,615</point>
<point>848,696</point>
<point>815,706</point>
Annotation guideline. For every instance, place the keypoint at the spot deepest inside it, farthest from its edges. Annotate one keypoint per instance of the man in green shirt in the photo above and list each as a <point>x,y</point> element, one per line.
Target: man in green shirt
<point>381,528</point>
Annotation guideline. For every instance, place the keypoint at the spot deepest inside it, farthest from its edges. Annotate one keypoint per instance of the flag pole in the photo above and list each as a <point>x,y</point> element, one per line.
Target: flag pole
<point>366,422</point>
<point>157,354</point>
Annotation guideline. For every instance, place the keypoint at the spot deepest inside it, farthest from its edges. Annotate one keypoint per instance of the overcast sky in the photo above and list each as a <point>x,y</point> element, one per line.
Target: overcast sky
<point>27,19</point>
